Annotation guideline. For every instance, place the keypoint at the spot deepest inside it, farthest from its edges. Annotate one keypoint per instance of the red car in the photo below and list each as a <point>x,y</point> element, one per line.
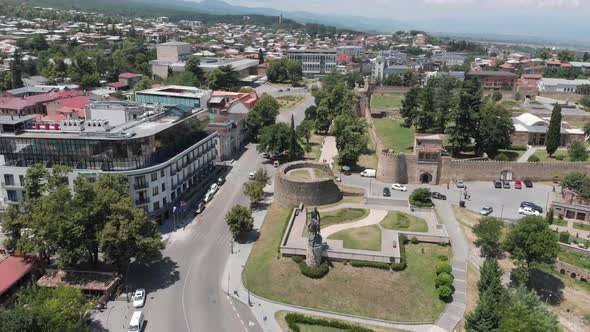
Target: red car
<point>517,184</point>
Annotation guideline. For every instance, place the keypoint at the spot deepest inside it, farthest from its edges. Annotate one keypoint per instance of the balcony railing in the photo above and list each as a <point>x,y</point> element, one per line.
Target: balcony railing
<point>141,185</point>
<point>142,201</point>
<point>11,185</point>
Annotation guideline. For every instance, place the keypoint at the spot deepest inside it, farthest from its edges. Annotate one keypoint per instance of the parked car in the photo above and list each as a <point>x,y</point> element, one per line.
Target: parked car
<point>139,298</point>
<point>208,197</point>
<point>252,175</point>
<point>214,188</point>
<point>386,192</point>
<point>460,184</point>
<point>506,184</point>
<point>266,155</point>
<point>220,180</point>
<point>369,173</point>
<point>200,208</point>
<point>399,187</point>
<point>532,205</point>
<point>528,183</point>
<point>486,210</point>
<point>528,211</point>
<point>136,323</point>
<point>517,184</point>
<point>498,184</point>
<point>437,195</point>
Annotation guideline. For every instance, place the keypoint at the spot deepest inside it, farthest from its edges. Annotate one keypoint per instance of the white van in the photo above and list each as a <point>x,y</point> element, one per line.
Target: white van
<point>136,323</point>
<point>369,173</point>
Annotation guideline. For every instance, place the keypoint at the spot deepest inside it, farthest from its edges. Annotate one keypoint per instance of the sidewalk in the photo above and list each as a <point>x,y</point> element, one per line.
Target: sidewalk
<point>329,151</point>
<point>264,310</point>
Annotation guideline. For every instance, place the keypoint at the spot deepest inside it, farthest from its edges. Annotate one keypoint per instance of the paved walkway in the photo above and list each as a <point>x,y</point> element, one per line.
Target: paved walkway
<point>329,150</point>
<point>529,152</point>
<point>374,217</point>
<point>456,308</point>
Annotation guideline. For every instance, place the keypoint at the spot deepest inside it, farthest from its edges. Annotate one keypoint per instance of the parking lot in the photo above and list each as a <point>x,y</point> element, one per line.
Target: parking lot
<point>504,202</point>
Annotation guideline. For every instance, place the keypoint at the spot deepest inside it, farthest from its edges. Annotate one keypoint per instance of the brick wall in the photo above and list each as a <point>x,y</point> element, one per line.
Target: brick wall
<point>291,192</point>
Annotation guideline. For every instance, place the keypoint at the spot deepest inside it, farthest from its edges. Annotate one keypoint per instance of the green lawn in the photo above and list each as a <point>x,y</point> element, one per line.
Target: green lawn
<point>408,295</point>
<point>582,226</point>
<point>299,174</point>
<point>404,222</point>
<point>512,155</point>
<point>544,157</point>
<point>394,136</point>
<point>315,143</point>
<point>280,316</point>
<point>560,222</point>
<point>386,101</point>
<point>569,257</point>
<point>320,173</point>
<point>287,102</point>
<point>340,216</point>
<point>362,238</point>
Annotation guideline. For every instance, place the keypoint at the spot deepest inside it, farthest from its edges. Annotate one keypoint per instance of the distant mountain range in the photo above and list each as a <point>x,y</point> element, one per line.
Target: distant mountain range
<point>559,31</point>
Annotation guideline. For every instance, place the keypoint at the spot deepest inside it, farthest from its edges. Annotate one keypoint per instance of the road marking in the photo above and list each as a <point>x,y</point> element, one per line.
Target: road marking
<point>190,268</point>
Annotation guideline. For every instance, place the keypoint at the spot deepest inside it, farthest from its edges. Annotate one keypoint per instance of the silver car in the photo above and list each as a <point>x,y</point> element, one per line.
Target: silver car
<point>486,210</point>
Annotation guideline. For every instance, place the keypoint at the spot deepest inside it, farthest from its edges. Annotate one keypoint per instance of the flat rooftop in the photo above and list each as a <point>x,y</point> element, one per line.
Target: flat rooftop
<point>14,119</point>
<point>313,51</point>
<point>176,91</point>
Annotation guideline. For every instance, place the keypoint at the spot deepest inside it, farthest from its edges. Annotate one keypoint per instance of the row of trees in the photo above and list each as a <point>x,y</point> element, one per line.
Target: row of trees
<point>409,78</point>
<point>445,105</point>
<point>96,220</point>
<point>285,70</point>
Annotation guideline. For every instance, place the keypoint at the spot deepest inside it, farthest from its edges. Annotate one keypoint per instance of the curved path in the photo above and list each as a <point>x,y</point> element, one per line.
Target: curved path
<point>374,217</point>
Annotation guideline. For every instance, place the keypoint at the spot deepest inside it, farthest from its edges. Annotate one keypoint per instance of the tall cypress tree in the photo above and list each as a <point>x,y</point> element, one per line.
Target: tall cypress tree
<point>260,56</point>
<point>554,131</point>
<point>492,297</point>
<point>295,151</point>
<point>16,68</point>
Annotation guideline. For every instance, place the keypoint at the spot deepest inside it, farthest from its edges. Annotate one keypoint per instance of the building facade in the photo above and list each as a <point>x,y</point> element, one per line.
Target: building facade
<point>165,152</point>
<point>388,63</point>
<point>561,84</point>
<point>495,80</point>
<point>174,95</point>
<point>530,129</point>
<point>315,61</point>
<point>352,50</point>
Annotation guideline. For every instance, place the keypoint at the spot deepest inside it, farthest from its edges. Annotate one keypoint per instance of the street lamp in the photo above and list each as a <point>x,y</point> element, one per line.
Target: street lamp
<point>247,288</point>
<point>174,217</point>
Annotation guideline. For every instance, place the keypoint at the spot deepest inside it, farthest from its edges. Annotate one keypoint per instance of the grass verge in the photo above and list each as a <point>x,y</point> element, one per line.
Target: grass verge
<point>287,102</point>
<point>361,238</point>
<point>280,317</point>
<point>386,101</point>
<point>394,136</point>
<point>340,216</point>
<point>404,222</point>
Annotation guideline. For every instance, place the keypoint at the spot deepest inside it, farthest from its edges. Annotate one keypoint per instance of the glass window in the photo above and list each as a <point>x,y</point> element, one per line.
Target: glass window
<point>155,190</point>
<point>164,201</point>
<point>162,173</point>
<point>156,206</point>
<point>154,176</point>
<point>163,187</point>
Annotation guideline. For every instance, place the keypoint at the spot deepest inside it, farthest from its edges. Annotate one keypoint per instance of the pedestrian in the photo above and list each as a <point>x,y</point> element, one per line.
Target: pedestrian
<point>553,188</point>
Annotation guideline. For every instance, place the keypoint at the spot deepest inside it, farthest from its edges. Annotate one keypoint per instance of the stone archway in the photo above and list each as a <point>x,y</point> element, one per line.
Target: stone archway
<point>425,178</point>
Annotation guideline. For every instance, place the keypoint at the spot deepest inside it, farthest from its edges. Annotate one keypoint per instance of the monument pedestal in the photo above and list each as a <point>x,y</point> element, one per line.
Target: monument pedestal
<point>314,256</point>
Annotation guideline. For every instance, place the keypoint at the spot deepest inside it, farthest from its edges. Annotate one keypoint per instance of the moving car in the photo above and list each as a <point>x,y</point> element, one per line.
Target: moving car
<point>200,208</point>
<point>528,211</point>
<point>252,175</point>
<point>369,173</point>
<point>486,210</point>
<point>460,184</point>
<point>386,192</point>
<point>528,183</point>
<point>437,195</point>
<point>532,205</point>
<point>517,184</point>
<point>136,323</point>
<point>139,298</point>
<point>498,184</point>
<point>506,184</point>
<point>399,187</point>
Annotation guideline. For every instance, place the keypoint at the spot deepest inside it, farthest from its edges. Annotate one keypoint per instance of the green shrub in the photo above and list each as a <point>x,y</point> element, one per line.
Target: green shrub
<point>298,259</point>
<point>564,237</point>
<point>377,265</point>
<point>559,157</point>
<point>314,272</point>
<point>443,279</point>
<point>421,197</point>
<point>444,292</point>
<point>403,239</point>
<point>502,157</point>
<point>443,258</point>
<point>414,240</point>
<point>443,267</point>
<point>293,321</point>
<point>534,159</point>
<point>518,148</point>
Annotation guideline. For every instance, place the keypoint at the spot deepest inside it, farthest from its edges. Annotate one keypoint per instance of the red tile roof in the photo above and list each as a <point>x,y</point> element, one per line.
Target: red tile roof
<point>19,103</point>
<point>117,84</point>
<point>129,75</point>
<point>74,102</point>
<point>12,269</point>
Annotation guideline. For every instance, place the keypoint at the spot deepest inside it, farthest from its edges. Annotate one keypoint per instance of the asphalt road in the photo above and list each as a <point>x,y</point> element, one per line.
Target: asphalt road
<point>184,289</point>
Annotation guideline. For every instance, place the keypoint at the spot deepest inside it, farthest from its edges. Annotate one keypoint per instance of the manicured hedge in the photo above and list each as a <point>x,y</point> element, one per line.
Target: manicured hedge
<point>298,259</point>
<point>564,237</point>
<point>314,272</point>
<point>444,278</point>
<point>387,266</point>
<point>293,321</point>
<point>443,267</point>
<point>518,148</point>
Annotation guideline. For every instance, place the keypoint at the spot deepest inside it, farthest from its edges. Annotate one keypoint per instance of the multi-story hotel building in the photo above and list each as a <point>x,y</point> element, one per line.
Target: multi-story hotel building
<point>315,61</point>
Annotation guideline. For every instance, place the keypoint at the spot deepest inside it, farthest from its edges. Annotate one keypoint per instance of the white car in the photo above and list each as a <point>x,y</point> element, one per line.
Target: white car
<point>486,210</point>
<point>208,197</point>
<point>213,189</point>
<point>399,187</point>
<point>252,175</point>
<point>460,184</point>
<point>528,211</point>
<point>139,298</point>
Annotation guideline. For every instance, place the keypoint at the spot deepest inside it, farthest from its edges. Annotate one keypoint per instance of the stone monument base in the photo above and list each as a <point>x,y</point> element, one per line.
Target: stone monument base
<point>314,256</point>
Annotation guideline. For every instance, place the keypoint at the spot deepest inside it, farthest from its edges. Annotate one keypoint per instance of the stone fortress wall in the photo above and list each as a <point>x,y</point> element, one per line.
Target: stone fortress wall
<point>311,192</point>
<point>405,168</point>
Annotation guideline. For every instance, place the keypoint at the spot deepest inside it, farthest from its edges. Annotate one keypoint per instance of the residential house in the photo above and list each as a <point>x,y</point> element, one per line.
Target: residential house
<point>232,135</point>
<point>497,80</point>
<point>130,79</point>
<point>530,129</point>
<point>561,84</point>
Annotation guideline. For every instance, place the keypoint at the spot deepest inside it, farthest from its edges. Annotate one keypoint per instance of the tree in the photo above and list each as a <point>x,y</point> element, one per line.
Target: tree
<point>16,67</point>
<point>566,55</point>
<point>275,138</point>
<point>577,152</point>
<point>579,183</point>
<point>17,319</point>
<point>495,129</point>
<point>39,43</point>
<point>586,56</point>
<point>193,66</point>
<point>492,296</point>
<point>421,197</point>
<point>554,131</point>
<point>222,78</point>
<point>239,219</point>
<point>526,312</point>
<point>305,129</point>
<point>497,96</point>
<point>585,101</point>
<point>260,56</point>
<point>285,70</point>
<point>351,138</point>
<point>549,217</point>
<point>465,117</point>
<point>254,190</point>
<point>295,151</point>
<point>310,112</point>
<point>488,232</point>
<point>410,106</point>
<point>485,317</point>
<point>531,242</point>
<point>262,115</point>
<point>11,224</point>
<point>323,118</point>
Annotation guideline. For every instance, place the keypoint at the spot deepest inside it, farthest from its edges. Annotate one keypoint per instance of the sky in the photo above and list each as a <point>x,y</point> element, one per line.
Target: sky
<point>419,9</point>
